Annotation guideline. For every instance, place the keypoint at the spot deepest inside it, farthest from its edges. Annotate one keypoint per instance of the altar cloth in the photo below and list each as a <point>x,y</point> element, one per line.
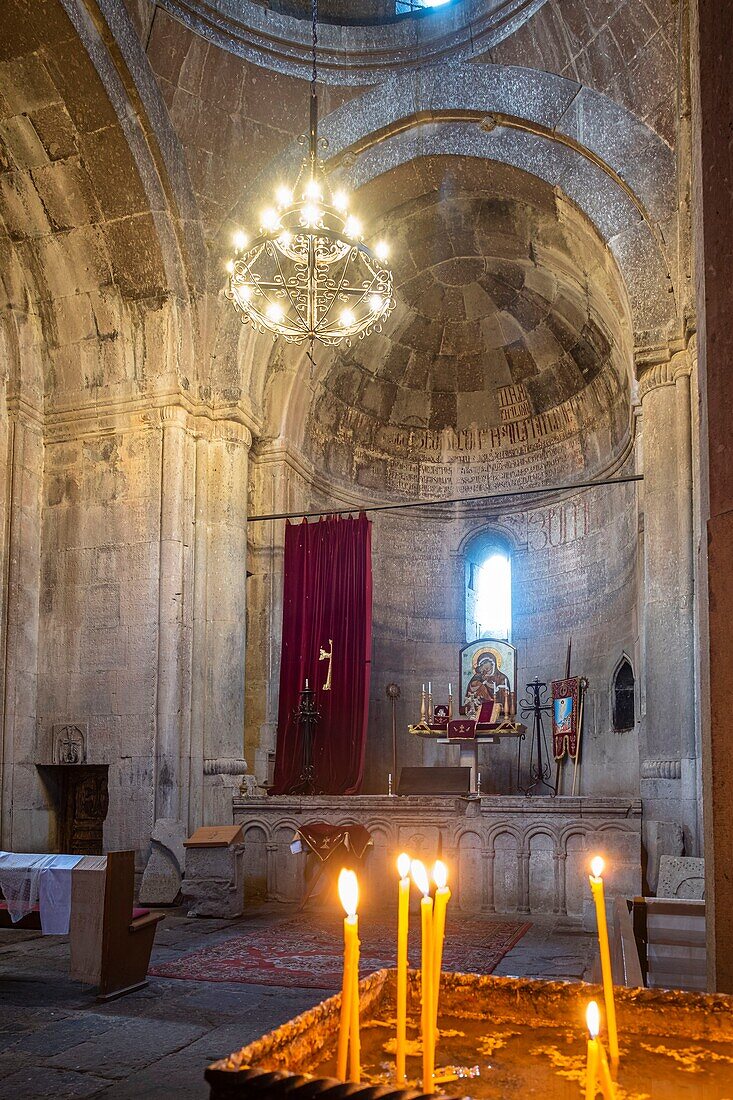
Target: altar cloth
<point>28,881</point>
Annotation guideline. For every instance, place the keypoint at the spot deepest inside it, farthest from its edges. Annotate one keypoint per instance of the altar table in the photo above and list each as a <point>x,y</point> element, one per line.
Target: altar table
<point>468,746</point>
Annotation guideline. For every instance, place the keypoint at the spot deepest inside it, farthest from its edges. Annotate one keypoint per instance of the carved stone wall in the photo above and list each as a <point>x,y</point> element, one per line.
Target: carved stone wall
<point>505,855</point>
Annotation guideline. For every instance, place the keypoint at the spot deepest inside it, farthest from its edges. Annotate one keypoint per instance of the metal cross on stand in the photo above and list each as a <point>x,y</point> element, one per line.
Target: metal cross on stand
<point>306,716</point>
<point>540,769</point>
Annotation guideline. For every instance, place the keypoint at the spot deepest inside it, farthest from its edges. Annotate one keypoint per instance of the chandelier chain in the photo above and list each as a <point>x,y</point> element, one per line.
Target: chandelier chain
<point>314,76</point>
<point>308,275</point>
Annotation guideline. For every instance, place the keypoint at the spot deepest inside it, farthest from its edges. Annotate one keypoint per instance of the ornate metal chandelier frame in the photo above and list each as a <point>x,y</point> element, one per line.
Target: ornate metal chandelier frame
<point>308,276</point>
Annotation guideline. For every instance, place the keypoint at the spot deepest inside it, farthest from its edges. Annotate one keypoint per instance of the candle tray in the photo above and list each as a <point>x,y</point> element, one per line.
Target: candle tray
<point>291,1059</point>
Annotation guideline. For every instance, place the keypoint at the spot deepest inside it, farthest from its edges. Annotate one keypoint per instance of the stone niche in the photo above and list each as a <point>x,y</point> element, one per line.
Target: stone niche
<point>79,796</point>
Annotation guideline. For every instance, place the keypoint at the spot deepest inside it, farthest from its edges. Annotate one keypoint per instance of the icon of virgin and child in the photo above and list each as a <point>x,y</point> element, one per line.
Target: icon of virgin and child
<point>488,691</point>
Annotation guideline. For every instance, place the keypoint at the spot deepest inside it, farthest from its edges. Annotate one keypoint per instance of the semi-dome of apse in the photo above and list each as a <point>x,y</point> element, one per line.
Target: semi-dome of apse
<point>508,347</point>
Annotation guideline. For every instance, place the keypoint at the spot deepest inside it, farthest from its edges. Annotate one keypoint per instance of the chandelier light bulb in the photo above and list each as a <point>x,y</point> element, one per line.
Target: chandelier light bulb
<point>352,227</point>
<point>285,239</point>
<point>284,196</point>
<point>341,201</point>
<point>244,292</point>
<point>376,303</point>
<point>270,219</point>
<point>230,267</point>
<point>312,190</point>
<point>347,318</point>
<point>240,240</point>
<point>311,214</point>
<point>275,312</point>
<point>381,251</point>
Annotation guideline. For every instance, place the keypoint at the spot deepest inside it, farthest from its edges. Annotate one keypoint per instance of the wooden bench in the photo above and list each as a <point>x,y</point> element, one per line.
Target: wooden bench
<point>659,943</point>
<point>110,940</point>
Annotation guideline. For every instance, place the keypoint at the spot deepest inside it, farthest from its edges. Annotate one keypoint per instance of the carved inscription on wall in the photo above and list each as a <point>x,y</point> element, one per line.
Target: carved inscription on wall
<point>514,404</point>
<point>521,451</point>
<point>559,525</point>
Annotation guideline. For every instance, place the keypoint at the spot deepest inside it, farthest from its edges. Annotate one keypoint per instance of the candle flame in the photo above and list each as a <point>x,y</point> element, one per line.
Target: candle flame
<point>348,891</point>
<point>440,874</point>
<point>403,865</point>
<point>593,1019</point>
<point>420,877</point>
<point>596,866</point>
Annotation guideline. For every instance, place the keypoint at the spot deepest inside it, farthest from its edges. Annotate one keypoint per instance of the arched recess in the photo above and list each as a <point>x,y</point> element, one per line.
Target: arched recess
<point>623,696</point>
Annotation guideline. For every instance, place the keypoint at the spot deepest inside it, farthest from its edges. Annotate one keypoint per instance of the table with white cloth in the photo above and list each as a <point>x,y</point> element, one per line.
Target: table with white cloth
<point>30,881</point>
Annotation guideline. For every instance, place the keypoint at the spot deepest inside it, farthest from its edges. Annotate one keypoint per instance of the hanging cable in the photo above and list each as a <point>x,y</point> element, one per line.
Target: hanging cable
<point>597,484</point>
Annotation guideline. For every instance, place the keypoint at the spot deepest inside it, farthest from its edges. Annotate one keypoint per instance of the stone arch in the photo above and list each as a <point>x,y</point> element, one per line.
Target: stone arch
<point>354,54</point>
<point>545,125</point>
<point>574,858</point>
<point>471,870</point>
<point>507,887</point>
<point>541,845</point>
<point>255,866</point>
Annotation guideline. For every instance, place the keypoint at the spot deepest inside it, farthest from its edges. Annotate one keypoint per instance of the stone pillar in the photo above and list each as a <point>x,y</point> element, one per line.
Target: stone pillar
<point>25,819</point>
<point>170,709</point>
<point>224,619</point>
<point>668,733</point>
<point>713,228</point>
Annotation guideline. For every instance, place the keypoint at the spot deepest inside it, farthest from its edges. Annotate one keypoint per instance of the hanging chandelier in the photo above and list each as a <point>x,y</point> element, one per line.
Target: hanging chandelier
<point>307,275</point>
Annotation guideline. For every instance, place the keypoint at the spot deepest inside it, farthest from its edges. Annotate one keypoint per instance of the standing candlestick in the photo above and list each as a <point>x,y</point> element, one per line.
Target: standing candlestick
<point>596,885</point>
<point>423,704</point>
<point>430,701</point>
<point>420,878</point>
<point>450,702</point>
<point>403,919</point>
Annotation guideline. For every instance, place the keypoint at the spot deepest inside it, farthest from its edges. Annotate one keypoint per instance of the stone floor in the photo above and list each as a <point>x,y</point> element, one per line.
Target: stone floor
<point>55,1040</point>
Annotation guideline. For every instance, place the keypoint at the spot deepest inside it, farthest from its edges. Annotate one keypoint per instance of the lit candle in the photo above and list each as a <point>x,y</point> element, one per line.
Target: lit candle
<point>423,704</point>
<point>596,885</point>
<point>591,1067</point>
<point>420,878</point>
<point>450,701</point>
<point>597,1071</point>
<point>403,918</point>
<point>306,683</point>
<point>442,897</point>
<point>348,888</point>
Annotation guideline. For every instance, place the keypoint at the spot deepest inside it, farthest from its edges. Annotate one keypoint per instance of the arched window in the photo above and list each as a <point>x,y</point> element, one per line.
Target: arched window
<point>623,697</point>
<point>488,589</point>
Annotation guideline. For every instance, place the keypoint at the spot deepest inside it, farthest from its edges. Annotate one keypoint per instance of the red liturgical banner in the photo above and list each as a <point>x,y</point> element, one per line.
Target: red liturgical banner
<point>565,717</point>
<point>327,607</point>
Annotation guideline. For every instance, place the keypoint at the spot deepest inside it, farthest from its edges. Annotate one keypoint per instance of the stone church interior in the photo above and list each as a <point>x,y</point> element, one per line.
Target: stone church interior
<point>366,546</point>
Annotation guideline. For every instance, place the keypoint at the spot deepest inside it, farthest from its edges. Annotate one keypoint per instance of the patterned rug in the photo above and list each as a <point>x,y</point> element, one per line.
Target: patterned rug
<point>307,952</point>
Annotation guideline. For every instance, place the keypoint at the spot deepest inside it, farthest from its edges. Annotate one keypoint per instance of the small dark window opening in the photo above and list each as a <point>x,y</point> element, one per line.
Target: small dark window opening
<point>623,698</point>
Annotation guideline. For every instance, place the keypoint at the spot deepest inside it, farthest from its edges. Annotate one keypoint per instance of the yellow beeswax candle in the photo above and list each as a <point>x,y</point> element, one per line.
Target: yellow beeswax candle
<point>596,885</point>
<point>442,897</point>
<point>591,1069</point>
<point>420,878</point>
<point>604,1075</point>
<point>403,919</point>
<point>349,1018</point>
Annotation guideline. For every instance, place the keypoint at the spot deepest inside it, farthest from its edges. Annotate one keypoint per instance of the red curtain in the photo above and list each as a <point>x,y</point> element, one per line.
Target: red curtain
<point>327,596</point>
